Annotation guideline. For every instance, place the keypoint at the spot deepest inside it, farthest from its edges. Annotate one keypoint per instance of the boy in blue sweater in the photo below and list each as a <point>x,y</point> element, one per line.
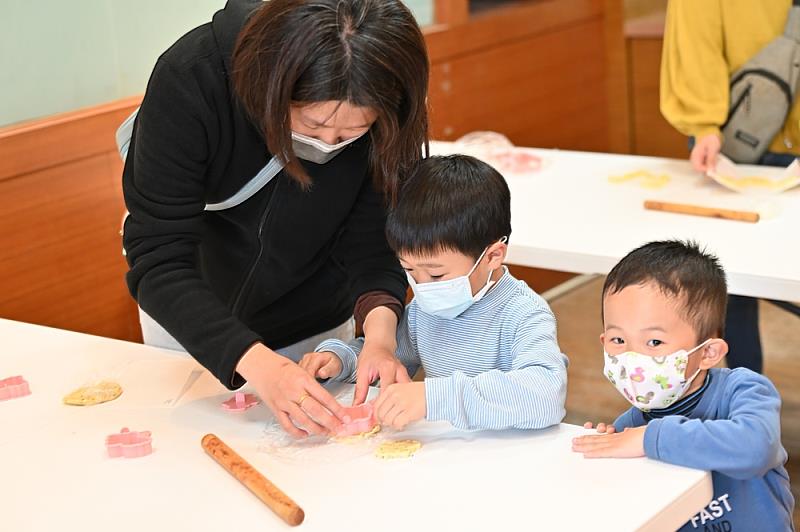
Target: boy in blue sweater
<point>663,315</point>
<point>486,341</point>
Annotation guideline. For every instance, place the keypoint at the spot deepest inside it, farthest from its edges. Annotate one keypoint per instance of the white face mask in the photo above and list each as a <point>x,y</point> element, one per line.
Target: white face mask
<point>650,383</point>
<point>318,151</point>
<point>448,299</point>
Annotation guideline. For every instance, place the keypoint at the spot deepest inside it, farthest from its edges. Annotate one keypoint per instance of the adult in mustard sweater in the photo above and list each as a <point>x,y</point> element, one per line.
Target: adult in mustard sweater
<point>705,41</point>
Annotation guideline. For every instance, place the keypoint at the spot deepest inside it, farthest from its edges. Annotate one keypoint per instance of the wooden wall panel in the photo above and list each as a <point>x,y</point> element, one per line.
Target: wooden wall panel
<point>551,100</point>
<point>55,140</point>
<point>652,134</point>
<point>60,260</point>
<point>540,76</point>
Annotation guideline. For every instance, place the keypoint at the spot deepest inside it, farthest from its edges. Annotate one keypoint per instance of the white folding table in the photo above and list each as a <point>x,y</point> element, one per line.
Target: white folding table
<point>55,474</point>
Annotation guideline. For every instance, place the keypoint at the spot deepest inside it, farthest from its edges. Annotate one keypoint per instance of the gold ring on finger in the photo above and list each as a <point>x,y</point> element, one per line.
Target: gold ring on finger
<point>302,398</point>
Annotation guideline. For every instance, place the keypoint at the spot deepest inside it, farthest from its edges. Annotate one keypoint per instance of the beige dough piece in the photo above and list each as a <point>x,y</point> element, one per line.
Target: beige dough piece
<point>94,394</point>
<point>357,437</point>
<point>397,449</point>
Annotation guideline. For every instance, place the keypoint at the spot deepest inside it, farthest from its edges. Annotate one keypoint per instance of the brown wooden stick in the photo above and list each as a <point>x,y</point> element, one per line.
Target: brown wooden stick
<point>271,495</point>
<point>697,210</point>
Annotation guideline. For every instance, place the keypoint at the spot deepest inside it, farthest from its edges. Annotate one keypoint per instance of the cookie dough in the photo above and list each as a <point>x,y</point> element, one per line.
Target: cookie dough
<point>94,394</point>
<point>357,437</point>
<point>397,449</point>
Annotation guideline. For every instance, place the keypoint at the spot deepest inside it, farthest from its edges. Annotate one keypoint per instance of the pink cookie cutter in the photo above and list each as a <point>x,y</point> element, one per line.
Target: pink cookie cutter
<point>357,419</point>
<point>129,444</point>
<point>14,387</point>
<point>240,402</point>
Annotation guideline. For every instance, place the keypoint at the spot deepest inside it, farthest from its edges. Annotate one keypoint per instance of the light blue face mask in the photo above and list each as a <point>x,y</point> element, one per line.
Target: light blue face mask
<point>449,299</point>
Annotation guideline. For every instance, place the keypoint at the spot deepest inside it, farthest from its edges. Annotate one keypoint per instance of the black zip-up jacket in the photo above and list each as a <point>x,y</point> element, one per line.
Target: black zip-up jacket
<point>284,265</point>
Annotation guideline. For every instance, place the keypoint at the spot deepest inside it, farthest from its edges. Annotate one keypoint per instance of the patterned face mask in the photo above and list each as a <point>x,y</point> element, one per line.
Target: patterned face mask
<point>650,383</point>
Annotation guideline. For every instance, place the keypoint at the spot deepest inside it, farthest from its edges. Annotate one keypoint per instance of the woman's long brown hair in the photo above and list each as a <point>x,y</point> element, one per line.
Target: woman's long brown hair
<point>370,53</point>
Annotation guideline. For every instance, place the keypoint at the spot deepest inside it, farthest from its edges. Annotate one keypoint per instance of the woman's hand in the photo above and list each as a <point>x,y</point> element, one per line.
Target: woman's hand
<point>300,404</point>
<point>705,153</point>
<point>377,359</point>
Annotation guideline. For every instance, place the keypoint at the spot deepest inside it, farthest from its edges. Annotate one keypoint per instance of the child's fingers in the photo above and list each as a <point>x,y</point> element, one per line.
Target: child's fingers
<point>587,443</point>
<point>390,415</point>
<point>400,421</point>
<point>611,429</point>
<point>384,406</point>
<point>587,425</point>
<point>362,385</point>
<point>601,428</point>
<point>313,365</point>
<point>329,369</point>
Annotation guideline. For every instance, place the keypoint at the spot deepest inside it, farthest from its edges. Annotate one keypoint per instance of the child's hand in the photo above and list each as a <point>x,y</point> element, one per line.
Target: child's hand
<point>401,404</point>
<point>626,444</point>
<point>325,365</point>
<point>602,428</point>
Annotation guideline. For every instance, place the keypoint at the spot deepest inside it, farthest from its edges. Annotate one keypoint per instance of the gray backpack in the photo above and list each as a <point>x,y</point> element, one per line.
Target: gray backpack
<point>762,93</point>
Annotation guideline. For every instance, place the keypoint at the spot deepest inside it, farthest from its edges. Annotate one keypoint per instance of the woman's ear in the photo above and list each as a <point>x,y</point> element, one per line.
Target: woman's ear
<point>496,254</point>
<point>713,352</point>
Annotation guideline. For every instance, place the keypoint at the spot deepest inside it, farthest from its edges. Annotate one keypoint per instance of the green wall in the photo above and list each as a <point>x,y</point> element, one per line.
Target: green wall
<point>58,55</point>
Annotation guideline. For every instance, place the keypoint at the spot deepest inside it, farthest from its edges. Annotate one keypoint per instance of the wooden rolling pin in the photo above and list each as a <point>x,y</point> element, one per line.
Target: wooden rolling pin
<point>697,210</point>
<point>269,493</point>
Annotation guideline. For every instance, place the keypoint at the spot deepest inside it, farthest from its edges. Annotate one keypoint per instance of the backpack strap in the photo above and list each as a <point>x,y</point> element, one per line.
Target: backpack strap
<point>261,179</point>
<point>792,28</point>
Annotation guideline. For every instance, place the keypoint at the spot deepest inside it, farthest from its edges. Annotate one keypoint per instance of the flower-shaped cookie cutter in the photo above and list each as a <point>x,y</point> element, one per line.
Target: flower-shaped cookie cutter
<point>240,402</point>
<point>14,387</point>
<point>357,420</point>
<point>129,444</point>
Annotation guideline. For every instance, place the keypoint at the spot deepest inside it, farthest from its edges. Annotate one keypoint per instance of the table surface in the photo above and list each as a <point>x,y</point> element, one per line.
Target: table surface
<point>57,476</point>
<point>569,217</point>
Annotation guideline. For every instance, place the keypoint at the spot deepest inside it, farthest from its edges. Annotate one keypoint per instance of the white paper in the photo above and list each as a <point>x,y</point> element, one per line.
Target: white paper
<point>749,179</point>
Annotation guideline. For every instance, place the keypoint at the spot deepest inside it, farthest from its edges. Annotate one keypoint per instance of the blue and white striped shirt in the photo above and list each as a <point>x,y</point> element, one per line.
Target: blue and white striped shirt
<point>496,366</point>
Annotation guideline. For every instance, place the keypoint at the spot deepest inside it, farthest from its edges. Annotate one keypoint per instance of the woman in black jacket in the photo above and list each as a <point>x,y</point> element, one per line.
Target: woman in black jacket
<point>268,145</point>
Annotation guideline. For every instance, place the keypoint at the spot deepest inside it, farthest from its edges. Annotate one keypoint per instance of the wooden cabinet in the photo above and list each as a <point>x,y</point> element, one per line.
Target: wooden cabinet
<point>651,134</point>
<point>60,209</point>
<point>548,73</point>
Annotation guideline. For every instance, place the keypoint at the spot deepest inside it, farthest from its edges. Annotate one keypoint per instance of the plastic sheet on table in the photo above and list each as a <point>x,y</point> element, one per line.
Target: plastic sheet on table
<point>318,450</point>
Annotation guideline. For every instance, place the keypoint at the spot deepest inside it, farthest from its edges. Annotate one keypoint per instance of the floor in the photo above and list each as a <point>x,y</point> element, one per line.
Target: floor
<point>591,397</point>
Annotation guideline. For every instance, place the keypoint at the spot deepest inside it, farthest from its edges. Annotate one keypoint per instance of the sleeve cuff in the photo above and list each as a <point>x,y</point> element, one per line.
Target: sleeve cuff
<point>346,354</point>
<point>231,378</point>
<point>703,131</point>
<point>651,434</point>
<point>439,393</point>
<point>372,300</point>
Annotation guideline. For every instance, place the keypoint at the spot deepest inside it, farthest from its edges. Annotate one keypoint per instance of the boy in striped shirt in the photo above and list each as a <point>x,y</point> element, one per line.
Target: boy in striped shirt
<point>486,341</point>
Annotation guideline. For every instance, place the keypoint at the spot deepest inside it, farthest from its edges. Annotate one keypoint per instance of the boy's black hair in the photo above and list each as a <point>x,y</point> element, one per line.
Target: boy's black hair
<point>680,269</point>
<point>452,203</point>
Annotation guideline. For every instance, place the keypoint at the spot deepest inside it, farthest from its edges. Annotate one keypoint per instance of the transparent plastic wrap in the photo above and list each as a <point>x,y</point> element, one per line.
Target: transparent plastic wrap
<point>320,449</point>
